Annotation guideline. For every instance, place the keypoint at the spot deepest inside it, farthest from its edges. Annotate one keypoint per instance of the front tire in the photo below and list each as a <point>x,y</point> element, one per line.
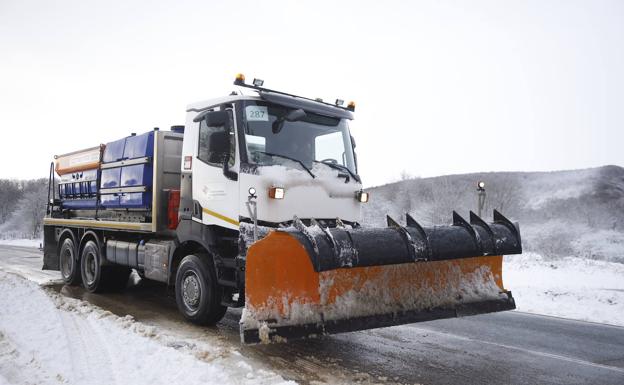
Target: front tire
<point>198,294</point>
<point>68,263</point>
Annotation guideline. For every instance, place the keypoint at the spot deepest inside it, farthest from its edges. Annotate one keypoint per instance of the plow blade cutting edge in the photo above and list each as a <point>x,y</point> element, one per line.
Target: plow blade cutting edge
<point>308,281</point>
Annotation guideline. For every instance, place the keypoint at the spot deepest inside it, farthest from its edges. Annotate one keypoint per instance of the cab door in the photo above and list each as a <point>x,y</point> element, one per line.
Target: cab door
<point>215,177</point>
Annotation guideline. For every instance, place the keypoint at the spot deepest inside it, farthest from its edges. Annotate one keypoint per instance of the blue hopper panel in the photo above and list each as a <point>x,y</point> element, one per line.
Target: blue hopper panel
<point>136,175</point>
<point>114,151</point>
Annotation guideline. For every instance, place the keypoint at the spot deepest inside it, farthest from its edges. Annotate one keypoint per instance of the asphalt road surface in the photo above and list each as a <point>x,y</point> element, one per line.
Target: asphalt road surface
<point>501,348</point>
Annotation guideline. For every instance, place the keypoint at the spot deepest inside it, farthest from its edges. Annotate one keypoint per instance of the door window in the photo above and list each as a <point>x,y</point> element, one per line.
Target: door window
<point>212,141</point>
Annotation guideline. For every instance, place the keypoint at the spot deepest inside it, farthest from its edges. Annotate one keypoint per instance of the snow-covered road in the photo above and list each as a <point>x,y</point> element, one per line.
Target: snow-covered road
<point>59,334</point>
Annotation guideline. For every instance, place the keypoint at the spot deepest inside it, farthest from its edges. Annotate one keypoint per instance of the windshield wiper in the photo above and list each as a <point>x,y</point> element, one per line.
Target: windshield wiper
<point>289,158</point>
<point>340,167</point>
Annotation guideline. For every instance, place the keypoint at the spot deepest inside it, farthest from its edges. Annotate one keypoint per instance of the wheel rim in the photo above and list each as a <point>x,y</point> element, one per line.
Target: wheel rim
<point>191,291</point>
<point>67,263</point>
<point>90,267</point>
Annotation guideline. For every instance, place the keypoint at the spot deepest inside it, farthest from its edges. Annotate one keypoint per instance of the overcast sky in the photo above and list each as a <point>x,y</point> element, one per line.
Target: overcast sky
<point>442,87</point>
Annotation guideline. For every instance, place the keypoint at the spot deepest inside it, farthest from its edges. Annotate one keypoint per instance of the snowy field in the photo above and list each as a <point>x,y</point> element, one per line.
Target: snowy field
<point>575,288</point>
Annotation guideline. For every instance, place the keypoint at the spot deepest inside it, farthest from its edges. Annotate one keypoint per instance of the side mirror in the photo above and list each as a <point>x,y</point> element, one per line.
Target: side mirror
<point>217,118</point>
<point>219,148</point>
<point>219,143</point>
<point>214,118</point>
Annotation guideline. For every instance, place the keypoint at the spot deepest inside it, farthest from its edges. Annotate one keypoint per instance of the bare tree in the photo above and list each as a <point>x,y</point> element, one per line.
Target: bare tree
<point>27,218</point>
<point>505,195</point>
<point>445,196</point>
<point>10,194</point>
<point>405,175</point>
<point>33,208</point>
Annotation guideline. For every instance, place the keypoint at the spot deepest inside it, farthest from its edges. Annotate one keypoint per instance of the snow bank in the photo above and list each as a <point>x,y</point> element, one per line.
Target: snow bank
<point>46,338</point>
<point>574,288</point>
<point>22,242</point>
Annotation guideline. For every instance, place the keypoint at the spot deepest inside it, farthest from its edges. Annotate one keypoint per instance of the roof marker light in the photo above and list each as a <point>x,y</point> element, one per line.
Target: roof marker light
<point>240,79</point>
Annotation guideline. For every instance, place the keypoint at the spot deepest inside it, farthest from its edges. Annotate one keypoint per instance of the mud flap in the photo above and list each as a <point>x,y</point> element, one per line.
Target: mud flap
<point>50,245</point>
<point>288,296</point>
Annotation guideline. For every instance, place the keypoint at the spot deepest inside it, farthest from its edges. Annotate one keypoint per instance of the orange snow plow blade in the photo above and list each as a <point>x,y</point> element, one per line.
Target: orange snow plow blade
<point>287,297</point>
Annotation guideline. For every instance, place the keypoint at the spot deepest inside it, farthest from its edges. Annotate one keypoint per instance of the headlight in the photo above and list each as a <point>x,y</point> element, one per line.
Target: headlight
<point>277,192</point>
<point>362,196</point>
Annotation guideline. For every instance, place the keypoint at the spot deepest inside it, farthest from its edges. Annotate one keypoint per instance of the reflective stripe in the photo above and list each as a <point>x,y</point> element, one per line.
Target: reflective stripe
<point>222,217</point>
<point>99,224</point>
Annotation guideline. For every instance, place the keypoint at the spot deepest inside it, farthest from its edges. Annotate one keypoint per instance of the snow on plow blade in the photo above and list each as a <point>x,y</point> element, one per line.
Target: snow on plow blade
<point>309,281</point>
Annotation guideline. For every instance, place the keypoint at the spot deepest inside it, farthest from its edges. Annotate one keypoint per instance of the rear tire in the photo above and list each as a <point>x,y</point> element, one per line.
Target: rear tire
<point>90,267</point>
<point>97,278</point>
<point>69,264</point>
<point>198,294</point>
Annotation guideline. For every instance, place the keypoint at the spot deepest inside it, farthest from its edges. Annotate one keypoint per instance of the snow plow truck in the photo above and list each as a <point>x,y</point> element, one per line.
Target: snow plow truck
<point>255,202</point>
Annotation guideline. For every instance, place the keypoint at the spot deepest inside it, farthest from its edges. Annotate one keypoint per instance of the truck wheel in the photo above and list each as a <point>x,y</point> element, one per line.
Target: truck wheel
<point>90,267</point>
<point>197,293</point>
<point>68,263</point>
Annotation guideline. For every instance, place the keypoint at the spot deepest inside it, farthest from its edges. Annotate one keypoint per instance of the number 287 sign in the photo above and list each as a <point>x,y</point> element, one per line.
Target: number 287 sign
<point>257,113</point>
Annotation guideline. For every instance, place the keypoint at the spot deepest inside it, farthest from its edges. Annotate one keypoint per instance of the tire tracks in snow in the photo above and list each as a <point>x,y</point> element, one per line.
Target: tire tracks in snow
<point>90,359</point>
<point>75,342</point>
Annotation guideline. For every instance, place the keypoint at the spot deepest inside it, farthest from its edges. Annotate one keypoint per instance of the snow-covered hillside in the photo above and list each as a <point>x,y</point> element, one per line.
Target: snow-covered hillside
<point>576,213</point>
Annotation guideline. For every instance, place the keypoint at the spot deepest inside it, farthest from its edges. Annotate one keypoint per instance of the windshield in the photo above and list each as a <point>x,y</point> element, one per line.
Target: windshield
<point>272,139</point>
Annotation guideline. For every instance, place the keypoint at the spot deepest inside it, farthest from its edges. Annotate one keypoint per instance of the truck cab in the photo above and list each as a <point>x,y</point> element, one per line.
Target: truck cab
<point>252,163</point>
<point>296,156</point>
